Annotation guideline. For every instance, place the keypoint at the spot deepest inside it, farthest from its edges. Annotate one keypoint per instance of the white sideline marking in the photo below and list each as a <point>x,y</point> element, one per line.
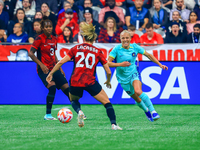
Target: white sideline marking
<point>60,108</point>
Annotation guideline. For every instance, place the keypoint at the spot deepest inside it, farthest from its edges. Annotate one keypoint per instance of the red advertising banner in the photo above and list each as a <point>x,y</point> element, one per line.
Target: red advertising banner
<point>165,52</point>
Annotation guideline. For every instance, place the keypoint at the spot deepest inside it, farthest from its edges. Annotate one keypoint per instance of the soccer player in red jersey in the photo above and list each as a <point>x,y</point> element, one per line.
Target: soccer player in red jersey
<point>45,45</point>
<point>86,57</point>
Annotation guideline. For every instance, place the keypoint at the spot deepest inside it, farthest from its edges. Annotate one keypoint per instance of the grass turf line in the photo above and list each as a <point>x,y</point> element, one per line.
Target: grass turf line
<point>23,127</point>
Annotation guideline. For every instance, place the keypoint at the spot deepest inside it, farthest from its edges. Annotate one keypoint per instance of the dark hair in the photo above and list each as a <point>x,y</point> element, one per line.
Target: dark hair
<point>37,12</point>
<point>45,3</point>
<point>197,25</point>
<point>191,13</point>
<point>131,27</point>
<point>70,36</point>
<point>15,17</point>
<point>149,25</point>
<point>45,19</point>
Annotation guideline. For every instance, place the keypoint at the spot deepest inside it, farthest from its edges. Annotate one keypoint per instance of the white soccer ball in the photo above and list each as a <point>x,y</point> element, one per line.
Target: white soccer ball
<point>65,115</point>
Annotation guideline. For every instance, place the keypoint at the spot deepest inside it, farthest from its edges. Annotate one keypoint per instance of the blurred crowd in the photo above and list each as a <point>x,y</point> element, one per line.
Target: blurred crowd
<point>148,21</point>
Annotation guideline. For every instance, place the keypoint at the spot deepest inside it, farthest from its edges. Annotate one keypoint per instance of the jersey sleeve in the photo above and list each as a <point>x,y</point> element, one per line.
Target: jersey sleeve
<point>102,58</point>
<point>37,42</point>
<point>71,52</point>
<point>140,49</point>
<point>113,53</point>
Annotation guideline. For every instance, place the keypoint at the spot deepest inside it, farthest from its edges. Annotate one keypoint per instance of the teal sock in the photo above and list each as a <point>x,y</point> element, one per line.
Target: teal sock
<point>147,101</point>
<point>142,106</point>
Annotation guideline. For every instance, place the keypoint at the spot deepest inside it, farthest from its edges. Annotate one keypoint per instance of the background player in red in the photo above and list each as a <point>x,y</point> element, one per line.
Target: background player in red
<point>45,45</point>
<point>86,57</point>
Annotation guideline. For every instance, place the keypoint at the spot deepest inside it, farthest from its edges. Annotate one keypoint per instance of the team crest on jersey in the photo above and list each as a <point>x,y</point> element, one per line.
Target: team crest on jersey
<point>134,54</point>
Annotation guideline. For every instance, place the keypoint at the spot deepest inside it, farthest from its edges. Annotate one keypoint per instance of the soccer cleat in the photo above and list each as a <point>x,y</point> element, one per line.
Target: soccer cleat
<point>49,117</point>
<point>80,118</point>
<point>155,116</point>
<point>116,127</point>
<point>84,117</point>
<point>149,116</point>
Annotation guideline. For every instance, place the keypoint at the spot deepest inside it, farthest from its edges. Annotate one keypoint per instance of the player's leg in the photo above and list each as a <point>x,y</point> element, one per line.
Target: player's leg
<point>99,94</point>
<point>75,94</point>
<point>139,93</point>
<point>50,96</point>
<point>49,100</point>
<point>61,82</point>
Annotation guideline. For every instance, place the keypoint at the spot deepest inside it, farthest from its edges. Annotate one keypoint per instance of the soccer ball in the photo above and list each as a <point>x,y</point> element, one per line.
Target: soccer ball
<point>65,115</point>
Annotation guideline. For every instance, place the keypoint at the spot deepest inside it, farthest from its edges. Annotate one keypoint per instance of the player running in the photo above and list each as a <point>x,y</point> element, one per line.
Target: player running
<point>45,45</point>
<point>86,57</point>
<point>128,75</point>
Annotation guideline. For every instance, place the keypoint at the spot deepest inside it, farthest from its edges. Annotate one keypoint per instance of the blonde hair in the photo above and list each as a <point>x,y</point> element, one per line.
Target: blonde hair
<point>115,25</point>
<point>125,31</point>
<point>88,31</point>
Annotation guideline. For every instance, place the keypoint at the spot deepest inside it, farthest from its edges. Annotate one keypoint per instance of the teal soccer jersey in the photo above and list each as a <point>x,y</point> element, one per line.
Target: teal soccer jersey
<point>130,73</point>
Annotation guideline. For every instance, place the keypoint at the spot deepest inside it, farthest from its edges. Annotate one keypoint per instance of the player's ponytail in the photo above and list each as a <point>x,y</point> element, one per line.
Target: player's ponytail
<point>44,19</point>
<point>88,32</point>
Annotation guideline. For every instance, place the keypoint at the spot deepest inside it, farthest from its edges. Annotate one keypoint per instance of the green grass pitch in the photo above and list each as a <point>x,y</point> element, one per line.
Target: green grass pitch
<point>22,127</point>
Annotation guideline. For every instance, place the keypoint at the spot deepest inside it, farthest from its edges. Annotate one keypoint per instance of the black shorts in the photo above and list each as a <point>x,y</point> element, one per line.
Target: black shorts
<point>58,78</point>
<point>92,90</point>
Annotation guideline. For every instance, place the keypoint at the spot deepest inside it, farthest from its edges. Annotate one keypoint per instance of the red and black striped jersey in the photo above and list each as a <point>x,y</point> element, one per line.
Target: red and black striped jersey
<point>86,57</point>
<point>46,48</point>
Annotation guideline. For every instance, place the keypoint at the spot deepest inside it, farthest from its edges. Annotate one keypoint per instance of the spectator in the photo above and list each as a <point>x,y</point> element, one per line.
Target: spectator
<point>197,10</point>
<point>95,15</point>
<point>109,34</point>
<point>175,18</point>
<point>151,37</point>
<point>26,5</point>
<point>134,37</point>
<point>3,14</point>
<point>8,7</point>
<point>36,30</point>
<point>3,36</point>
<point>19,36</point>
<point>67,21</point>
<point>180,7</point>
<point>194,37</point>
<point>137,15</point>
<point>187,4</point>
<point>67,36</point>
<point>167,3</point>
<point>61,13</point>
<point>111,10</point>
<point>78,38</point>
<point>176,36</point>
<point>146,3</point>
<point>88,15</point>
<point>159,16</point>
<point>46,12</point>
<point>97,3</point>
<point>38,15</point>
<point>52,5</point>
<point>192,22</point>
<point>74,6</point>
<point>20,18</point>
<point>19,4</point>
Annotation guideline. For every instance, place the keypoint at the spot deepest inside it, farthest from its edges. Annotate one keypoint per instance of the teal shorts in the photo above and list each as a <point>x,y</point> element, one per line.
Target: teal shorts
<point>128,87</point>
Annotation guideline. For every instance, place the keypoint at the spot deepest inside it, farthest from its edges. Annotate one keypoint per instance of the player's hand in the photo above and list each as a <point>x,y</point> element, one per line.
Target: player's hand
<point>62,71</point>
<point>125,64</point>
<point>44,69</point>
<point>164,67</point>
<point>49,78</point>
<point>108,85</point>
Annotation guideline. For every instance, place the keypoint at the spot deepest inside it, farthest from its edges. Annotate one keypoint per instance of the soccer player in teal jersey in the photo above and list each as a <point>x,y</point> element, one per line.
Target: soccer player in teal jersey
<point>128,75</point>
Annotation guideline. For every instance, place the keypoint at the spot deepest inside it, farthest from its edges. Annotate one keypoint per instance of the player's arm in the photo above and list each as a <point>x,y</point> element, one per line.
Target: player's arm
<point>152,58</point>
<point>60,67</point>
<point>37,61</point>
<point>122,64</point>
<point>57,66</point>
<point>108,72</point>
